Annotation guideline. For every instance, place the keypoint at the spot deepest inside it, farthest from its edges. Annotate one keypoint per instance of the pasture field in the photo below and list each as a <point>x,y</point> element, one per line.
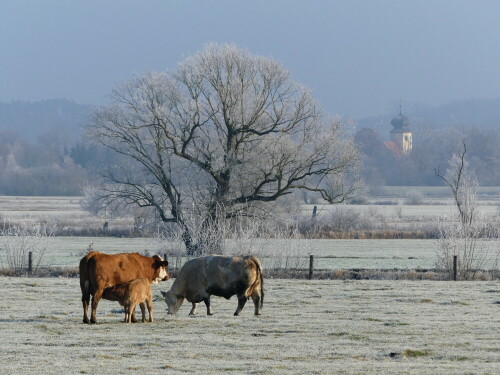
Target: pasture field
<point>307,327</point>
<point>439,192</point>
<point>403,212</point>
<point>330,254</point>
<point>67,212</point>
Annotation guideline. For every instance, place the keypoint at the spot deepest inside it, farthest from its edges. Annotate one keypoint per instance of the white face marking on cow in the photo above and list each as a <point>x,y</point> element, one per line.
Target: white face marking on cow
<point>162,276</point>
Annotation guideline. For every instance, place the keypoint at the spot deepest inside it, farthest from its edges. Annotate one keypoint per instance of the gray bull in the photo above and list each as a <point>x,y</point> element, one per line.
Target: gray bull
<point>217,275</point>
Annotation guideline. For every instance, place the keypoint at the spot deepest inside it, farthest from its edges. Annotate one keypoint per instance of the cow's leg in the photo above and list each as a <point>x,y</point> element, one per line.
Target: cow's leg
<point>85,302</point>
<point>193,309</point>
<point>241,303</point>
<point>142,305</point>
<point>207,303</point>
<point>125,320</point>
<point>95,301</point>
<point>127,313</point>
<point>132,316</point>
<point>149,304</point>
<point>256,302</point>
<point>131,312</point>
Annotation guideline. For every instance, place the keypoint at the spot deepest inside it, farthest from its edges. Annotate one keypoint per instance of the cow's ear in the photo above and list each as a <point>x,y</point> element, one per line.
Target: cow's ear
<point>159,262</point>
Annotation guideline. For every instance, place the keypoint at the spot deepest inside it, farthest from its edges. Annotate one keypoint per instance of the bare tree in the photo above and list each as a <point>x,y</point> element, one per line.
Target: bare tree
<point>463,184</point>
<point>461,238</point>
<point>224,133</point>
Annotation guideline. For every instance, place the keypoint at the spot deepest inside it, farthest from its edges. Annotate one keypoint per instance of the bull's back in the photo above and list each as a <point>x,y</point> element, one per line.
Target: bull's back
<point>228,276</point>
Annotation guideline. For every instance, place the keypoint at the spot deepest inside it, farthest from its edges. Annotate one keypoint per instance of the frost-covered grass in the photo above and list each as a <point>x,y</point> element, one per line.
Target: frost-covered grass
<point>65,212</point>
<point>307,327</point>
<point>418,213</point>
<point>330,254</point>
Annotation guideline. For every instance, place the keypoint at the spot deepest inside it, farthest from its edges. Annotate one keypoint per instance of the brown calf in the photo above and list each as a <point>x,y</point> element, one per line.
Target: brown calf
<point>130,294</point>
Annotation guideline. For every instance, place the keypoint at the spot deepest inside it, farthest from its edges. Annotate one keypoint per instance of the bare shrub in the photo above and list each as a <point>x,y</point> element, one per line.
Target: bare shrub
<point>461,236</point>
<point>343,218</point>
<point>18,241</point>
<point>398,212</point>
<point>279,246</point>
<point>414,197</point>
<point>90,201</point>
<point>456,239</point>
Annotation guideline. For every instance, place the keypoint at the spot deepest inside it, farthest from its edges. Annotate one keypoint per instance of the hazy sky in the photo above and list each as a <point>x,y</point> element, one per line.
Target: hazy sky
<point>358,57</point>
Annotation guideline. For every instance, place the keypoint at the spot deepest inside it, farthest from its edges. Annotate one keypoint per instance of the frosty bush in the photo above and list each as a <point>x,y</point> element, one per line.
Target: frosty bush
<point>414,197</point>
<point>463,241</point>
<point>278,246</point>
<point>16,242</point>
<point>460,236</point>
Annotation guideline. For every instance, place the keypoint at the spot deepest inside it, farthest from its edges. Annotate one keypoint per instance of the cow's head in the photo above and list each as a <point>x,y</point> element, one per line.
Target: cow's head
<point>173,301</point>
<point>160,267</point>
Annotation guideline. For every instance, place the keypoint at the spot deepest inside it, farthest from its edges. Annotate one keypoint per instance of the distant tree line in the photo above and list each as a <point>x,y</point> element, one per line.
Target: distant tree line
<point>53,165</point>
<point>48,166</point>
<point>432,148</point>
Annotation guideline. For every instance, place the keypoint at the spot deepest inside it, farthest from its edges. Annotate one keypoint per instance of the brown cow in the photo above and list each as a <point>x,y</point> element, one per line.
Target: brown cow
<point>217,275</point>
<point>130,294</point>
<point>99,271</point>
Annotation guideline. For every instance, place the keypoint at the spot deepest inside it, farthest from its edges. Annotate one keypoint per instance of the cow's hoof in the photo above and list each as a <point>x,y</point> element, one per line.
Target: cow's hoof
<point>210,313</point>
<point>93,322</point>
<point>86,321</point>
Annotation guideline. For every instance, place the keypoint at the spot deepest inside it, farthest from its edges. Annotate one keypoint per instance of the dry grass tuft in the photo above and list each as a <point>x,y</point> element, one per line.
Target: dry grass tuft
<point>416,353</point>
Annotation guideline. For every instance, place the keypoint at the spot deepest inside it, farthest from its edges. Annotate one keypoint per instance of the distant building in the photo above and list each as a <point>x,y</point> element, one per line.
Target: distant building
<point>401,135</point>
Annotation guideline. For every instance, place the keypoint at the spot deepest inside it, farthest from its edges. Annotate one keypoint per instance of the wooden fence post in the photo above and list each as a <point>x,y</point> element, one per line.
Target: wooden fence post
<point>30,263</point>
<point>455,264</point>
<point>315,213</point>
<point>311,265</point>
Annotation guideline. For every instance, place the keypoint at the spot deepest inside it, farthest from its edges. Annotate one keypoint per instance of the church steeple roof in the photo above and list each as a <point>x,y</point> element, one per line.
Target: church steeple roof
<point>400,122</point>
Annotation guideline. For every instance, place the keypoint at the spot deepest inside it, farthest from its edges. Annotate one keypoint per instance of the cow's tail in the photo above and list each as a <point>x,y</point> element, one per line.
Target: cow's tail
<point>261,287</point>
<point>84,274</point>
<point>260,278</point>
